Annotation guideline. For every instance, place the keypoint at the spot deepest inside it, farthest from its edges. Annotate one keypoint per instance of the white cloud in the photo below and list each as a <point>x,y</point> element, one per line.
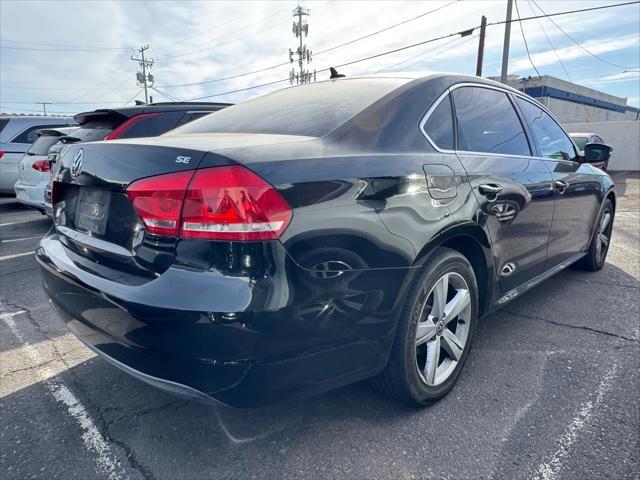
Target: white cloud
<point>200,41</point>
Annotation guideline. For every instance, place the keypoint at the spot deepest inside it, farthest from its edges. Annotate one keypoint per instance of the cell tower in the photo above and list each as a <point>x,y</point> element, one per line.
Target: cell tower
<point>300,29</point>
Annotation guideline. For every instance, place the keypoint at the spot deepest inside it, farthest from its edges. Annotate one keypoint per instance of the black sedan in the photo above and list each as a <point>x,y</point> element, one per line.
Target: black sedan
<point>320,235</point>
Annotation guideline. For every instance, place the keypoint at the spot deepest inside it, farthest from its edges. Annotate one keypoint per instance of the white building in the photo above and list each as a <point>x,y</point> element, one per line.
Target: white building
<point>573,103</point>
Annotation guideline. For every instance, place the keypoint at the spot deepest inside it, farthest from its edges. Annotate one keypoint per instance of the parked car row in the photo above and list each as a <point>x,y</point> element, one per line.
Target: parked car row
<point>32,175</point>
<point>323,234</point>
<point>17,133</point>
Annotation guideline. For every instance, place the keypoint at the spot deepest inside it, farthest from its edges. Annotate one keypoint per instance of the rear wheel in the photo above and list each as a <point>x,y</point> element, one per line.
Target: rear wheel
<point>599,247</point>
<point>435,331</point>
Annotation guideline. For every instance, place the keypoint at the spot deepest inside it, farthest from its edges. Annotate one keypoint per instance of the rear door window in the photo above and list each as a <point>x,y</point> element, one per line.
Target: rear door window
<point>488,123</point>
<point>152,125</point>
<point>31,134</point>
<point>439,125</point>
<point>550,138</point>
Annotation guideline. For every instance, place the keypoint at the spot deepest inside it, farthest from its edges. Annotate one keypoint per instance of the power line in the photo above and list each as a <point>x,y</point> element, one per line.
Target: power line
<point>62,45</point>
<point>413,57</point>
<point>524,37</point>
<point>231,77</point>
<point>434,53</point>
<point>579,44</point>
<point>386,28</point>
<point>566,72</point>
<point>423,43</point>
<point>170,97</point>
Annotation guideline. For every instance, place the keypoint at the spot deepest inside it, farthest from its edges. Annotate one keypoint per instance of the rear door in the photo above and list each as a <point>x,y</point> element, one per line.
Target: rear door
<point>576,186</point>
<point>512,187</point>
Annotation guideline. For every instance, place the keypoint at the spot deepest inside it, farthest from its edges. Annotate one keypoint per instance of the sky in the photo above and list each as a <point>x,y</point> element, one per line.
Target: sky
<point>76,55</point>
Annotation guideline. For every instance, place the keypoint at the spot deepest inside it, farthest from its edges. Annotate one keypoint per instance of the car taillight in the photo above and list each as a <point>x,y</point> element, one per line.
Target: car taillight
<point>219,203</point>
<point>41,165</point>
<point>121,129</point>
<point>233,203</point>
<point>158,201</point>
<point>1,154</point>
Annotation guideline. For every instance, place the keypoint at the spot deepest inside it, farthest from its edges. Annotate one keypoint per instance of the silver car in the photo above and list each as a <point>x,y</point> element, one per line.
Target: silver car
<point>17,133</point>
<point>34,169</point>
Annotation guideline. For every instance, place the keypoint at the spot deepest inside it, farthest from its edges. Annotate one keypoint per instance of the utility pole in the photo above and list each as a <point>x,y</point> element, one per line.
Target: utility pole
<point>505,48</point>
<point>44,106</point>
<point>301,27</point>
<point>483,28</point>
<point>145,79</point>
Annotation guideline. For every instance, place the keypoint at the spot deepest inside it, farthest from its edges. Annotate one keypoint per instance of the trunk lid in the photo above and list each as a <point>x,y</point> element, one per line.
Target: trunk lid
<point>93,214</point>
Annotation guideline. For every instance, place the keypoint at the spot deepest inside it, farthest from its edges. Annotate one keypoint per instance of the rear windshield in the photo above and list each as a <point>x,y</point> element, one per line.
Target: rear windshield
<point>3,123</point>
<point>95,131</point>
<point>42,145</point>
<point>311,110</point>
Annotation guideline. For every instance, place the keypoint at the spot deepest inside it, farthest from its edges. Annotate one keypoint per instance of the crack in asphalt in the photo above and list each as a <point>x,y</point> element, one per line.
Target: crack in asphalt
<point>569,325</point>
<point>24,369</point>
<point>146,473</point>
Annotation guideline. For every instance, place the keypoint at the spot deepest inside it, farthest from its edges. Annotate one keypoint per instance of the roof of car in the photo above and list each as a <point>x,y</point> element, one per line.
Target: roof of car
<point>159,107</point>
<point>581,134</point>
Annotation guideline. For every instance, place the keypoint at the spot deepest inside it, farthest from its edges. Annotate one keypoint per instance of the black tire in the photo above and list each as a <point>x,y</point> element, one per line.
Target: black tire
<point>401,378</point>
<point>595,258</point>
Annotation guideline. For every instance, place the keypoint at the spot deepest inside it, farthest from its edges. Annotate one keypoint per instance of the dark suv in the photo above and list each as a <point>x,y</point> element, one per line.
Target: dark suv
<point>320,235</point>
<point>129,122</point>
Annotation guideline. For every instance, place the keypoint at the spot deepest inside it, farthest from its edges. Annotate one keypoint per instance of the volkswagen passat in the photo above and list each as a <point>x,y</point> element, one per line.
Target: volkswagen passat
<point>320,235</point>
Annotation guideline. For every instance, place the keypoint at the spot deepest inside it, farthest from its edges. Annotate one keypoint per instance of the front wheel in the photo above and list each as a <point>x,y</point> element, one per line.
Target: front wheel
<point>435,331</point>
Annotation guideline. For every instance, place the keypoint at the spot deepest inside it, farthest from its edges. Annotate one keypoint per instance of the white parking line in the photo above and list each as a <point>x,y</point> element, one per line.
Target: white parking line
<point>549,469</point>
<point>19,221</point>
<point>20,239</point>
<point>91,436</point>
<point>15,255</point>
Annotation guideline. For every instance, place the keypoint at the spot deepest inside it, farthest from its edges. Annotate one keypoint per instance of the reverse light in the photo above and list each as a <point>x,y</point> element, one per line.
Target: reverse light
<point>41,165</point>
<point>219,203</point>
<point>124,127</point>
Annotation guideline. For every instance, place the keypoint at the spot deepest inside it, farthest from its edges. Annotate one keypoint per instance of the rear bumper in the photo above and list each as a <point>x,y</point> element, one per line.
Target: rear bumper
<point>238,341</point>
<point>31,195</point>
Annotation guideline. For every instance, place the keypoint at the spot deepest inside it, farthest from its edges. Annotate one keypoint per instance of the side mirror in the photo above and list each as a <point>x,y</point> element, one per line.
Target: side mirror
<point>597,152</point>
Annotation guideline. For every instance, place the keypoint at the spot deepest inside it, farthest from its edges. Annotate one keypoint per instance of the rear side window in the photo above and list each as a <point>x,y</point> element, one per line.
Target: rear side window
<point>3,123</point>
<point>42,145</point>
<point>488,123</point>
<point>190,117</point>
<point>31,134</point>
<point>550,138</point>
<point>151,124</point>
<point>439,125</point>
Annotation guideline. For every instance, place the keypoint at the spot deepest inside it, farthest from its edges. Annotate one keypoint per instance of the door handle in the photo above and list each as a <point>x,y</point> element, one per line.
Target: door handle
<point>490,190</point>
<point>560,186</point>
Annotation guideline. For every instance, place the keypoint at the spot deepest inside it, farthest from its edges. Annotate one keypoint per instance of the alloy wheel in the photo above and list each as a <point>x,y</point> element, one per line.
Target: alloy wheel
<point>443,328</point>
<point>603,236</point>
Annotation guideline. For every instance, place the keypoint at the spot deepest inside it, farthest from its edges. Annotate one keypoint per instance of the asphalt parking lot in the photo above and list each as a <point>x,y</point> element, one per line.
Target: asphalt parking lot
<point>550,390</point>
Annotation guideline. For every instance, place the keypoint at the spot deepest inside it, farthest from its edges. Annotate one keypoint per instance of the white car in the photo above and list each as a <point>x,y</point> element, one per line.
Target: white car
<point>34,169</point>
<point>17,133</point>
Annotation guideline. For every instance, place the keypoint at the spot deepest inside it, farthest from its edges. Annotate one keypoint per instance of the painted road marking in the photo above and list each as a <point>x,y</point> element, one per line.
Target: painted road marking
<point>549,469</point>
<point>93,440</point>
<point>15,255</point>
<point>20,239</point>
<point>19,221</point>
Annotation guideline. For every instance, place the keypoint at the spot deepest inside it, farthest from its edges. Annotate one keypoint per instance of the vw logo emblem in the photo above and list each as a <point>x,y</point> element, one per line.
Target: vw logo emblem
<point>76,165</point>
